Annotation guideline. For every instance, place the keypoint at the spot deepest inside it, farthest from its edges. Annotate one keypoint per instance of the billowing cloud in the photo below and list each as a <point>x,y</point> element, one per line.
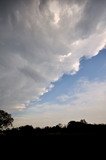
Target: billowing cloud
<point>40,40</point>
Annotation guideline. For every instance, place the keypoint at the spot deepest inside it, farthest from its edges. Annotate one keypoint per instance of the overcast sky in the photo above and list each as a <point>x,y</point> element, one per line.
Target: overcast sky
<point>53,60</point>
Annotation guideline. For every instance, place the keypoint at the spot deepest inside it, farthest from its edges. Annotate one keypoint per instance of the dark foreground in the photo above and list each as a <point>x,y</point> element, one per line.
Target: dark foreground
<point>75,137</point>
<point>73,132</point>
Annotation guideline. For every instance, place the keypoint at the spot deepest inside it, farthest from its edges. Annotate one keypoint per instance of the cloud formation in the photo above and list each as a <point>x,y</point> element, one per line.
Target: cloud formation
<point>40,40</point>
<point>87,101</point>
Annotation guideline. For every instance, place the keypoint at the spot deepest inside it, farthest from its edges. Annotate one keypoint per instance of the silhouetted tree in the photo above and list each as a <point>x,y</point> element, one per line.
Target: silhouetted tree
<point>26,130</point>
<point>5,119</point>
<point>71,124</point>
<point>60,125</point>
<point>83,121</point>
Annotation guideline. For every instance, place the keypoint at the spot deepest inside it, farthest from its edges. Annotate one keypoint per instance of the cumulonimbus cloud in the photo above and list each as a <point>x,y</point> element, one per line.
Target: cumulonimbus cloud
<point>40,40</point>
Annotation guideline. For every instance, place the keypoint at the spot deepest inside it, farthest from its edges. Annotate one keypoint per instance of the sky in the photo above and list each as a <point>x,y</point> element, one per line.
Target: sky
<point>53,61</point>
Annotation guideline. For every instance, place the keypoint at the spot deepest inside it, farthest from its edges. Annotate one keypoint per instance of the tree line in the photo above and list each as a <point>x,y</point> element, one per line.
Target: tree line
<point>72,128</point>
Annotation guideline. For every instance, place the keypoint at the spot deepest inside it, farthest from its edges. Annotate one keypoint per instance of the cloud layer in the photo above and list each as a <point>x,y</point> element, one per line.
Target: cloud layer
<point>40,40</point>
<point>87,101</point>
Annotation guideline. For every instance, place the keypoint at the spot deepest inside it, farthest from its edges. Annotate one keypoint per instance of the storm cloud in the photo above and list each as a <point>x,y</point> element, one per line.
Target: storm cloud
<point>40,40</point>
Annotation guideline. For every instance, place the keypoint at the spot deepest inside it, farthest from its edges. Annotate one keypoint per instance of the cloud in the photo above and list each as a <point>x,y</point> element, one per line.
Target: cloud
<point>20,107</point>
<point>87,101</point>
<point>36,39</point>
<point>63,98</point>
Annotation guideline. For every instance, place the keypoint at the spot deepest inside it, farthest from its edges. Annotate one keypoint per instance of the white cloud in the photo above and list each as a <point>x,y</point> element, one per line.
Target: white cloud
<point>63,98</point>
<point>20,107</point>
<point>35,52</point>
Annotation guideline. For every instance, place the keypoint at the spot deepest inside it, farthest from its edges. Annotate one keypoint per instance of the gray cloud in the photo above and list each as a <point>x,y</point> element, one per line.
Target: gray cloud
<point>94,15</point>
<point>35,34</point>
